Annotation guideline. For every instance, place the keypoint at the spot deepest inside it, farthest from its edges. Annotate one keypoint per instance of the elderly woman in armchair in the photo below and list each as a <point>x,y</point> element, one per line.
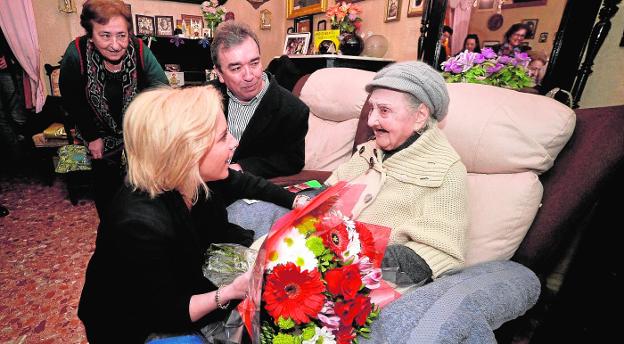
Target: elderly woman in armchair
<point>415,181</point>
<point>416,184</point>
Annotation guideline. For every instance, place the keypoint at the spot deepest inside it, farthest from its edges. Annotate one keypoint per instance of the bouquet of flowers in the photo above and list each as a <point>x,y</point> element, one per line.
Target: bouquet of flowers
<point>318,275</point>
<point>213,13</point>
<point>345,16</point>
<point>489,68</point>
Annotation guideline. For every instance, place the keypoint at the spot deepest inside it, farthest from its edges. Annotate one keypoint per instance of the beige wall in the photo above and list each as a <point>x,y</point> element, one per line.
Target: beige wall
<point>548,16</point>
<point>605,85</point>
<point>402,34</point>
<point>56,29</point>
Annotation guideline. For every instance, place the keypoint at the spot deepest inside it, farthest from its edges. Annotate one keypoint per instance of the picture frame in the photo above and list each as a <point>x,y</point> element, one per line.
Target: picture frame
<point>392,10</point>
<point>194,25</point>
<point>265,19</point>
<point>298,8</point>
<point>131,28</point>
<point>415,8</point>
<point>144,25</point>
<point>532,24</point>
<point>297,43</point>
<point>304,23</point>
<point>164,26</point>
<point>489,44</point>
<point>523,3</point>
<point>486,5</point>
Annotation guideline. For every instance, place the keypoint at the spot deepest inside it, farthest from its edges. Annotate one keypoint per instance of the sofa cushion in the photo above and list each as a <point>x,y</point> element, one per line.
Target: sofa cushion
<point>335,97</point>
<point>336,94</point>
<point>496,130</point>
<point>325,152</point>
<point>502,208</point>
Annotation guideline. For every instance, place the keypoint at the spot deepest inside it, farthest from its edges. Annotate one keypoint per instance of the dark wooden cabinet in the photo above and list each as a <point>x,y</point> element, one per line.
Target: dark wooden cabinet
<point>193,56</point>
<point>310,63</point>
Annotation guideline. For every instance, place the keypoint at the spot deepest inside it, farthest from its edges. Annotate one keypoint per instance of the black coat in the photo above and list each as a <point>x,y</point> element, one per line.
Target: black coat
<point>273,143</point>
<point>149,255</point>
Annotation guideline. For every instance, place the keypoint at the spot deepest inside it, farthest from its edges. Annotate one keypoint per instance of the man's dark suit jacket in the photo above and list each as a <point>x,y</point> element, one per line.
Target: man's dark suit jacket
<point>273,144</point>
<point>149,255</point>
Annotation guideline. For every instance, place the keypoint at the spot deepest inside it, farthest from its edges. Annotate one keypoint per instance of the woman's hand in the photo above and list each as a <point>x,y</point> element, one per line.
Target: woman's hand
<point>202,304</point>
<point>238,288</point>
<point>96,148</point>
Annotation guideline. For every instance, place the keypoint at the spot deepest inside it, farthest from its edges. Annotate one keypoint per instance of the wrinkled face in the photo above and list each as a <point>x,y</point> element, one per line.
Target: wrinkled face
<point>111,39</point>
<point>517,37</point>
<point>534,69</point>
<point>241,69</point>
<point>471,44</point>
<point>392,119</point>
<point>214,164</point>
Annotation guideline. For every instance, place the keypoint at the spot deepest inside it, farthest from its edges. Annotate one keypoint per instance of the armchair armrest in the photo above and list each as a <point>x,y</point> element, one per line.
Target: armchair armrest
<point>464,307</point>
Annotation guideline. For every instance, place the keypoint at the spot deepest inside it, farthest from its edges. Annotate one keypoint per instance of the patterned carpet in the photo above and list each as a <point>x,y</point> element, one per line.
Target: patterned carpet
<point>45,244</point>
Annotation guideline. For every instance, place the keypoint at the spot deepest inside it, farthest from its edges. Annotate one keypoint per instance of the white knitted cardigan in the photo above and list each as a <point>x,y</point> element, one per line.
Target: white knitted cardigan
<point>419,192</point>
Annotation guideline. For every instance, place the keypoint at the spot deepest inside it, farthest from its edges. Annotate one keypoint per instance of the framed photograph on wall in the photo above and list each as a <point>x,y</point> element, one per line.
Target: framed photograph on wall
<point>297,8</point>
<point>164,26</point>
<point>393,10</point>
<point>144,25</point>
<point>131,28</point>
<point>297,43</point>
<point>489,44</point>
<point>532,25</point>
<point>485,5</point>
<point>415,8</point>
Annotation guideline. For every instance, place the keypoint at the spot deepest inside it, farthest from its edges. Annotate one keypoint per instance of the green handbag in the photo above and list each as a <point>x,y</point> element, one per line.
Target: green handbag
<point>73,158</point>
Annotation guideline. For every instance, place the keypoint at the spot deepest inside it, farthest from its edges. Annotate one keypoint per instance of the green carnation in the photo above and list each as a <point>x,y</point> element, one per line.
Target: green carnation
<point>281,338</point>
<point>308,333</point>
<point>315,244</point>
<point>285,323</point>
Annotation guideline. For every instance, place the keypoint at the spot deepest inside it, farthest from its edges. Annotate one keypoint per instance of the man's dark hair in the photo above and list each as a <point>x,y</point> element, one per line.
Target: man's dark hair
<point>229,34</point>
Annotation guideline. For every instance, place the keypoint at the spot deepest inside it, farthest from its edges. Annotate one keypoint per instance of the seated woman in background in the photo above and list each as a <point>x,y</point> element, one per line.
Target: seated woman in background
<point>512,41</point>
<point>145,275</point>
<point>415,181</point>
<point>536,66</point>
<point>472,44</point>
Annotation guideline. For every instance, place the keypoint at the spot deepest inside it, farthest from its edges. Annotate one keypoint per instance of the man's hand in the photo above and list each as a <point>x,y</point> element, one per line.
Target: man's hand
<point>96,148</point>
<point>236,167</point>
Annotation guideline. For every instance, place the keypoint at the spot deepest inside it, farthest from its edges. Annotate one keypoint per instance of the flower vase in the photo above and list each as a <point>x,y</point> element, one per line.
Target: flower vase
<point>351,43</point>
<point>209,28</point>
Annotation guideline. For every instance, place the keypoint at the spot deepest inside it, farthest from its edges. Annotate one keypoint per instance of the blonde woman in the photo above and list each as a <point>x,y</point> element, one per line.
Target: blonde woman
<point>145,275</point>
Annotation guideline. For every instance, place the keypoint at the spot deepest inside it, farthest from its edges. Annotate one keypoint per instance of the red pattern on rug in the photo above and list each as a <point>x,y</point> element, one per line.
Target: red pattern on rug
<point>45,245</point>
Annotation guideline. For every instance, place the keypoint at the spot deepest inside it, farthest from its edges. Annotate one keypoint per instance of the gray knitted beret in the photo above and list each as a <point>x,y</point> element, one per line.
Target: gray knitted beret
<point>418,79</point>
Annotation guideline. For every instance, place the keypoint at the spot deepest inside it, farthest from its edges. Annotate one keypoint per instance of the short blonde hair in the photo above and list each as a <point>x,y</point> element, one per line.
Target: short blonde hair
<point>166,133</point>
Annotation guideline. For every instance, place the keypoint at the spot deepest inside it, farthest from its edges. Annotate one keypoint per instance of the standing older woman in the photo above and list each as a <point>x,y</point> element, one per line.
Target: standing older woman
<point>145,275</point>
<point>512,41</point>
<point>415,181</point>
<point>101,73</point>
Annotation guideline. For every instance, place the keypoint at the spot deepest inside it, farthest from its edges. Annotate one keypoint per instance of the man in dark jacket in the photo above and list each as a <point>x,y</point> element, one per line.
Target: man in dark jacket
<point>268,121</point>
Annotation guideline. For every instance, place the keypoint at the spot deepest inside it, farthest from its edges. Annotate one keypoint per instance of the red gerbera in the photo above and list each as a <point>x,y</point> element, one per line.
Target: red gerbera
<point>290,293</point>
<point>367,242</point>
<point>336,238</point>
